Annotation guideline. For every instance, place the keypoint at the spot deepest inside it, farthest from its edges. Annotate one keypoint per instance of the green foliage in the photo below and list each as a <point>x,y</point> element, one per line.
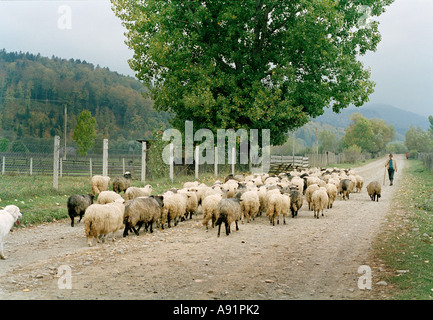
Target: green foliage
<point>250,64</point>
<point>155,163</point>
<point>34,90</point>
<point>371,135</point>
<point>328,141</point>
<point>4,144</point>
<point>418,140</point>
<point>352,153</point>
<point>84,132</point>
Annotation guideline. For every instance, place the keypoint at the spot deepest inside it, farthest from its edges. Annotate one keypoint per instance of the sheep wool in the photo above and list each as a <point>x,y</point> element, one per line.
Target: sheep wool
<point>99,184</point>
<point>122,183</point>
<point>229,212</point>
<point>103,219</point>
<point>174,208</point>
<point>250,205</point>
<point>107,197</point>
<point>77,205</point>
<point>278,204</point>
<point>135,192</point>
<point>210,209</point>
<point>296,201</point>
<point>139,211</point>
<point>319,201</point>
<point>332,192</point>
<point>374,190</point>
<point>309,193</point>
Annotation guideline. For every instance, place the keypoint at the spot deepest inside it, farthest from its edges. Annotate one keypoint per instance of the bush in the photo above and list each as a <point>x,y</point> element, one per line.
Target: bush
<point>352,154</point>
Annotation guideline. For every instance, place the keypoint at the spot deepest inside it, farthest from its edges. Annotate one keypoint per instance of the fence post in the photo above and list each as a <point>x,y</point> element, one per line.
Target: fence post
<point>3,165</point>
<point>105,158</point>
<point>143,161</point>
<point>216,162</point>
<point>171,162</point>
<point>91,168</point>
<point>233,160</point>
<point>31,166</point>
<point>56,162</point>
<point>197,150</point>
<point>61,167</point>
<point>123,165</point>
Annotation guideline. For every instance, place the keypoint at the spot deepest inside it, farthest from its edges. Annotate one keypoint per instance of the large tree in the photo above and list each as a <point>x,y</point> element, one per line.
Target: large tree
<point>261,64</point>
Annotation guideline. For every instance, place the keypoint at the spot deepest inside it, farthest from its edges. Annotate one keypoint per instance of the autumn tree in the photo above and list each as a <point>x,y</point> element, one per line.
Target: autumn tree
<point>84,132</point>
<point>417,140</point>
<point>371,135</point>
<point>261,64</point>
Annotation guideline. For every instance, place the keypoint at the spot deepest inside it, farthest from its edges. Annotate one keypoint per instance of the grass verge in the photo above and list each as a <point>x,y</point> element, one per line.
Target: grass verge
<point>40,202</point>
<point>406,244</point>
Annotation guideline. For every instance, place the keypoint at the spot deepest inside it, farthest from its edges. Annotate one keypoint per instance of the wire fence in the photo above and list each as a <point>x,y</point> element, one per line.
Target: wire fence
<point>427,158</point>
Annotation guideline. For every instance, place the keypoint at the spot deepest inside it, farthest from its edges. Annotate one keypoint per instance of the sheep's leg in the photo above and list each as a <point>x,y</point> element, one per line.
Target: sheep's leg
<point>136,230</point>
<point>2,254</point>
<point>227,228</point>
<point>125,232</point>
<point>219,229</point>
<point>237,227</point>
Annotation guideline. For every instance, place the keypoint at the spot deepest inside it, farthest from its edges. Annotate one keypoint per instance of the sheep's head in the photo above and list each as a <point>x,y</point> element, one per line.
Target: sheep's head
<point>127,175</point>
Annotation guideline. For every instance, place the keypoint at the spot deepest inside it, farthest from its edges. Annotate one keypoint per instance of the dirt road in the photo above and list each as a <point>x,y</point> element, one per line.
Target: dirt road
<point>305,259</point>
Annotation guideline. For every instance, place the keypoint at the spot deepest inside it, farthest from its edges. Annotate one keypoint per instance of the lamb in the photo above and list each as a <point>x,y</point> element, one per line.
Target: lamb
<point>309,193</point>
<point>210,209</point>
<point>174,208</point>
<point>135,192</point>
<point>99,183</point>
<point>278,204</point>
<point>103,219</point>
<point>296,201</point>
<point>229,212</point>
<point>77,205</point>
<point>319,201</point>
<point>332,191</point>
<point>250,205</point>
<point>122,183</point>
<point>139,211</point>
<point>107,197</point>
<point>374,190</point>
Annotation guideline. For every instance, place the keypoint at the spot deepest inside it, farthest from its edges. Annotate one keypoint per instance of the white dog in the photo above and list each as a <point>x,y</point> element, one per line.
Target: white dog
<point>8,216</point>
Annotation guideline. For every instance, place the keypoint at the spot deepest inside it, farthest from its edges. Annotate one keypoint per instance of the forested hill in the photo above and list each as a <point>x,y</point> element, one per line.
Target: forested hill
<point>34,91</point>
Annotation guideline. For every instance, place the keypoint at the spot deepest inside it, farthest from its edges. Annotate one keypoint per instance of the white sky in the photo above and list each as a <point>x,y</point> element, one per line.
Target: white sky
<point>402,67</point>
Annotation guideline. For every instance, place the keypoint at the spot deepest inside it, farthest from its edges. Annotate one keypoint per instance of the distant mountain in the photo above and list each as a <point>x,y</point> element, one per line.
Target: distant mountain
<point>400,119</point>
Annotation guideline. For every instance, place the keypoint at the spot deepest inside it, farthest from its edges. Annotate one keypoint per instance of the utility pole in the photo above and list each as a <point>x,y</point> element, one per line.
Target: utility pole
<point>65,128</point>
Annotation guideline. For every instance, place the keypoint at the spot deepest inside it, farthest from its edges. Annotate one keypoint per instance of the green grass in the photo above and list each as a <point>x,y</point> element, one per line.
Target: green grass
<point>408,244</point>
<point>347,165</point>
<point>40,202</point>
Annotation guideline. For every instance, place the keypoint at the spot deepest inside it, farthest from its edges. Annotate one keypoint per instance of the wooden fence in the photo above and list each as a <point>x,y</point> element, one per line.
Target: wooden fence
<point>427,158</point>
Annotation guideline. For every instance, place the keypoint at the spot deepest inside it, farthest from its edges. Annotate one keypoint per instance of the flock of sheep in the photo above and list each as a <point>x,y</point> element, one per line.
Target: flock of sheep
<point>236,199</point>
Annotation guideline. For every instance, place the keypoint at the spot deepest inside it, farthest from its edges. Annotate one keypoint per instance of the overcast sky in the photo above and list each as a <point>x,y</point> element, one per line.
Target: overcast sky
<point>402,67</point>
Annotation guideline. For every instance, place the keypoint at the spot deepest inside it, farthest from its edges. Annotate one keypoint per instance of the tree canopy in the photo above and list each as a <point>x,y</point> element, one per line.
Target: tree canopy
<point>253,64</point>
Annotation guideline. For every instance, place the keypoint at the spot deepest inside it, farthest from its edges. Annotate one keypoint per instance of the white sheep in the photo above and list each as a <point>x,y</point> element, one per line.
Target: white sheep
<point>210,209</point>
<point>319,201</point>
<point>99,184</point>
<point>191,202</point>
<point>332,192</point>
<point>359,183</point>
<point>103,219</point>
<point>135,192</point>
<point>174,208</point>
<point>309,193</point>
<point>107,197</point>
<point>250,205</point>
<point>277,204</point>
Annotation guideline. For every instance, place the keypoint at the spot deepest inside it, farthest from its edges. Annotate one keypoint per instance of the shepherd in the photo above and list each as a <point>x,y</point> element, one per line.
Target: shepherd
<point>391,164</point>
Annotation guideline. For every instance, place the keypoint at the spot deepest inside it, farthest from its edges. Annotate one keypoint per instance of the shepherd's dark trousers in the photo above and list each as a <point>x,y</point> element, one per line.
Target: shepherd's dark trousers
<point>391,175</point>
